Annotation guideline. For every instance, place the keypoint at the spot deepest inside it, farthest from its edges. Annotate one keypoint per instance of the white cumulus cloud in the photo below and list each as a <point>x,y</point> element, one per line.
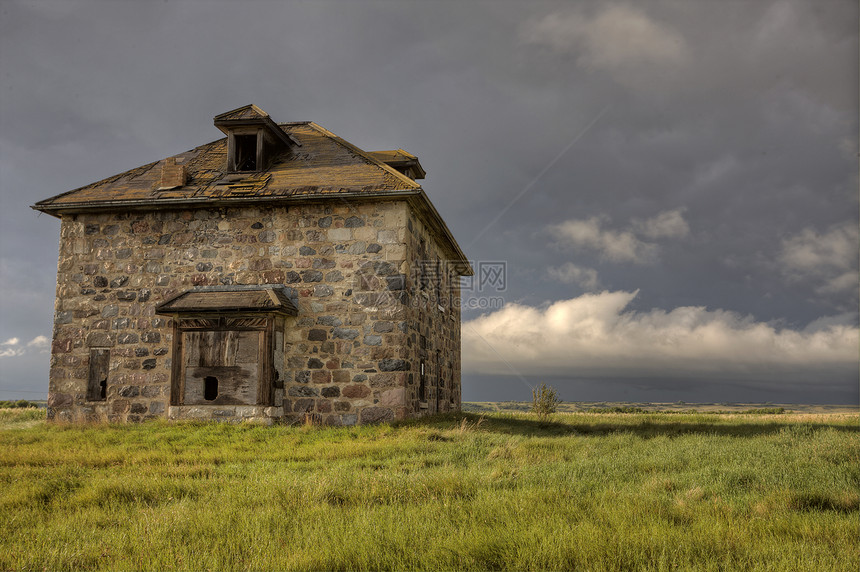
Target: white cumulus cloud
<point>622,245</point>
<point>667,224</point>
<point>619,38</point>
<point>617,246</point>
<point>13,347</point>
<point>595,335</point>
<point>828,258</point>
<point>570,273</point>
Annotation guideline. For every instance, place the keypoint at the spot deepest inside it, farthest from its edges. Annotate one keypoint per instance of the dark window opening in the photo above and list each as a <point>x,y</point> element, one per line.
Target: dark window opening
<point>98,374</point>
<point>210,388</point>
<point>422,384</point>
<point>246,152</point>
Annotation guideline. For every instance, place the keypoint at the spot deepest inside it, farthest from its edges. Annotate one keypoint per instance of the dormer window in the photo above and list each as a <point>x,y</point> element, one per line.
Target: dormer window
<point>253,139</point>
<point>244,153</point>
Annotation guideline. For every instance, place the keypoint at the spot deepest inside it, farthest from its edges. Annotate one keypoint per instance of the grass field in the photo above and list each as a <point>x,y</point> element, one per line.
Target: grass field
<point>583,491</point>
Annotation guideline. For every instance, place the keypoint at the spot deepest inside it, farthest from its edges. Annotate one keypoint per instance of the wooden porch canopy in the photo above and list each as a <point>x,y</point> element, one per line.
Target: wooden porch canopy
<point>265,298</point>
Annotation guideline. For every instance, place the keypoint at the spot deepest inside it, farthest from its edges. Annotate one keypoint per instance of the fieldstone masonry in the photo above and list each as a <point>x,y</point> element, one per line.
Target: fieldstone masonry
<point>351,355</point>
<point>349,240</point>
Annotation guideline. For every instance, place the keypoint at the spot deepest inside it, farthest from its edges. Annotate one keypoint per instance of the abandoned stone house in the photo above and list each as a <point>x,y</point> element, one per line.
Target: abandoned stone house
<point>275,274</point>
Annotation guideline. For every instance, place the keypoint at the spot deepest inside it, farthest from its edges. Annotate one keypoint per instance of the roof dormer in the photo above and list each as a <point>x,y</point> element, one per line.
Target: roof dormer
<point>400,160</point>
<point>253,139</point>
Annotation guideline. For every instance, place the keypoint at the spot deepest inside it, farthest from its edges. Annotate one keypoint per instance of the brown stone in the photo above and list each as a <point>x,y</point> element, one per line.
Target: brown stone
<point>355,391</point>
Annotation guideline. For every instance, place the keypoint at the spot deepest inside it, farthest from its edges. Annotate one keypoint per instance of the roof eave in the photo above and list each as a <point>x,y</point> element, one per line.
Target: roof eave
<point>417,197</point>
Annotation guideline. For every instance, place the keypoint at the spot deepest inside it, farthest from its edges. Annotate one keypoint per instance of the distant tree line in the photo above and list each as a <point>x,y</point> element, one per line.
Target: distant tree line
<point>20,404</point>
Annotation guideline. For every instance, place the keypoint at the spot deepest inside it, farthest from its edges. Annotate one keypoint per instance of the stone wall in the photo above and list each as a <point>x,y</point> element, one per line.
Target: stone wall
<point>434,324</point>
<point>349,356</point>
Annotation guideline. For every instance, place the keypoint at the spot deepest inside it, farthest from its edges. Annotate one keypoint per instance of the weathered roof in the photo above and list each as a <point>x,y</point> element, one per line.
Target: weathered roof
<point>400,159</point>
<point>262,298</point>
<point>245,112</point>
<point>315,164</point>
<point>323,164</point>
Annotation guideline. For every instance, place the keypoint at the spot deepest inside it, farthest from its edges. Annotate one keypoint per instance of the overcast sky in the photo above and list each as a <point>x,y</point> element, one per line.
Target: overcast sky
<point>672,185</point>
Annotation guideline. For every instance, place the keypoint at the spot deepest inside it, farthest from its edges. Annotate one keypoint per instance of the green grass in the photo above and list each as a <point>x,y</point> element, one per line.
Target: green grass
<point>582,491</point>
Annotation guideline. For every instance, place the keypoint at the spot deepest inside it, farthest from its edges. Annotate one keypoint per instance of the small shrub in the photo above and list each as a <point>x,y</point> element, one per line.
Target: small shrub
<point>544,401</point>
<point>765,411</point>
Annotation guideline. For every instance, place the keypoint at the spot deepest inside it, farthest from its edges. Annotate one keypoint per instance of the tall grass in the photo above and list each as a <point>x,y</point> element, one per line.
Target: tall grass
<point>579,491</point>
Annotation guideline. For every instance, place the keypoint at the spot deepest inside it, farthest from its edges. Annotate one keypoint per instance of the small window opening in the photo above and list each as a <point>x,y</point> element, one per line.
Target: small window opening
<point>246,152</point>
<point>210,388</point>
<point>422,384</point>
<point>98,374</point>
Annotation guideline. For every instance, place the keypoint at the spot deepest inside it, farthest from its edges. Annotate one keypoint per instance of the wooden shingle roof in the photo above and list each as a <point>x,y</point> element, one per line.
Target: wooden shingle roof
<point>323,164</point>
<point>310,164</point>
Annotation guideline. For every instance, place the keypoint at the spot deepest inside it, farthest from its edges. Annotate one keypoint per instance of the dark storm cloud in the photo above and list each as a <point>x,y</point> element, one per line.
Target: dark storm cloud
<point>739,116</point>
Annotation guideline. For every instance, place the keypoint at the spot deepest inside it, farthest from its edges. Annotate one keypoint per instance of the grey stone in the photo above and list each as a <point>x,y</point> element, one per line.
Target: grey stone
<point>374,248</point>
<point>307,251</point>
<point>150,337</point>
<point>345,333</point>
<point>353,222</point>
<point>149,363</point>
<point>323,291</point>
<point>331,391</point>
<point>359,247</point>
<point>325,222</point>
<point>315,363</point>
<point>303,391</point>
<point>393,365</point>
<point>334,276</point>
<point>383,327</point>
<point>126,296</point>
<point>129,391</point>
<point>376,414</point>
<point>303,405</point>
<point>119,282</point>
<point>100,340</point>
<point>396,282</point>
<point>312,276</point>
<point>317,335</point>
<point>329,321</point>
<point>267,236</point>
<point>323,263</point>
<point>127,338</point>
<point>373,340</point>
